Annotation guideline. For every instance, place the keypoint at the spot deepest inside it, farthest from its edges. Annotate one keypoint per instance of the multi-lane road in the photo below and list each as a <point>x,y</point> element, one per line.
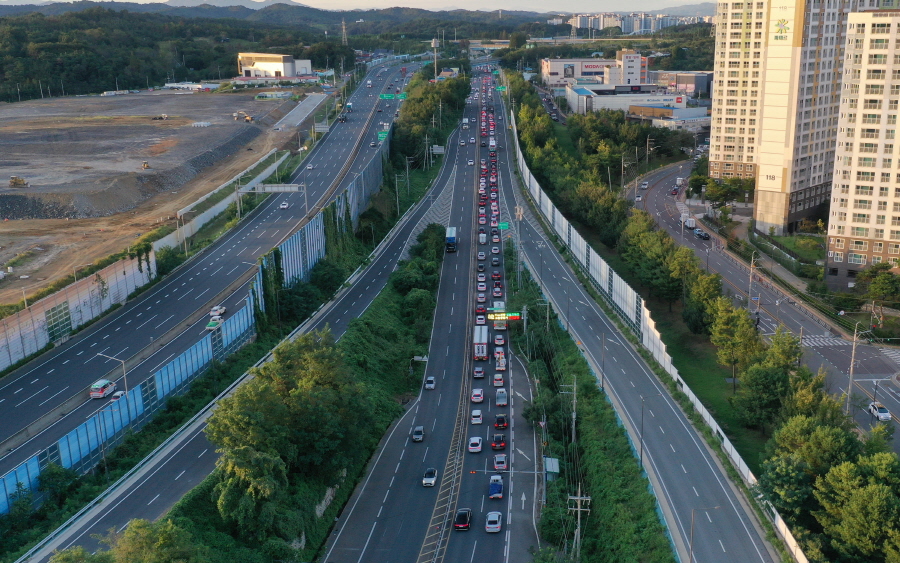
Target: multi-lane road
<point>45,384</point>
<point>873,366</point>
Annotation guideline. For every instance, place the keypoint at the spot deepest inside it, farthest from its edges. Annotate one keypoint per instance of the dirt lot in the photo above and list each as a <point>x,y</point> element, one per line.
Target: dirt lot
<point>89,197</point>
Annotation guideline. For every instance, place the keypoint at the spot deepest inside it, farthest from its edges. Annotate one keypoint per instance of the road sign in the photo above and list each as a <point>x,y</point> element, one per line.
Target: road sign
<point>402,96</point>
<point>382,135</point>
<point>504,316</point>
<point>755,298</point>
<point>501,88</point>
<point>496,72</point>
<point>514,316</point>
<point>504,225</point>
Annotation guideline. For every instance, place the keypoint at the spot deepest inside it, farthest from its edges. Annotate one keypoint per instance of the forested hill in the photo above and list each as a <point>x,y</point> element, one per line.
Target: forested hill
<point>88,51</point>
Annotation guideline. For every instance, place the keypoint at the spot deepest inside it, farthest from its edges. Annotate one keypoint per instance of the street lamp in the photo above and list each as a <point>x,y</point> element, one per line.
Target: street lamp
<point>642,426</point>
<point>124,372</point>
<point>691,548</point>
<point>75,270</point>
<point>540,245</point>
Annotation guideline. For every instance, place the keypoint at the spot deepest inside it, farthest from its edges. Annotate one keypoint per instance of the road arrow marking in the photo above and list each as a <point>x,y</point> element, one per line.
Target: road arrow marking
<point>523,501</point>
<point>523,455</point>
<point>521,395</point>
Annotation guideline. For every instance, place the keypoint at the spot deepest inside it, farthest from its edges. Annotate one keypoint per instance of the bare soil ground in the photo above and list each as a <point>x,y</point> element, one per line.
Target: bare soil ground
<point>84,152</point>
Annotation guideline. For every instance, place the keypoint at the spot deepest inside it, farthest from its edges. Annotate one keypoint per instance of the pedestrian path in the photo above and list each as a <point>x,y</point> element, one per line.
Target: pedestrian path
<point>817,341</point>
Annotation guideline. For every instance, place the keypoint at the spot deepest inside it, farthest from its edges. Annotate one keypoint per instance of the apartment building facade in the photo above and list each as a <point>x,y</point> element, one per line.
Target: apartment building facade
<point>776,102</point>
<point>864,222</point>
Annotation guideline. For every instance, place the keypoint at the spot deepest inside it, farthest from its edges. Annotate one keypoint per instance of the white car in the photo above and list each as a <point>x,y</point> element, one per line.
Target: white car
<point>879,411</point>
<point>476,419</point>
<point>309,167</point>
<point>500,462</point>
<point>218,310</point>
<point>430,477</point>
<point>429,382</point>
<point>480,320</point>
<point>471,162</point>
<point>481,255</point>
<point>495,250</point>
<point>499,340</point>
<point>472,140</point>
<point>477,396</point>
<point>284,205</point>
<point>475,444</point>
<point>638,198</point>
<point>493,522</point>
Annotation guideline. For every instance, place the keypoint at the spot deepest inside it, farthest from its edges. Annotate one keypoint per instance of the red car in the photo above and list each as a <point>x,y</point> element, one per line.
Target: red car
<point>480,309</point>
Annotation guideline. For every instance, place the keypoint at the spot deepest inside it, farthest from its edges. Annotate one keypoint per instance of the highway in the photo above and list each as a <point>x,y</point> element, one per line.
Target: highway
<point>44,384</point>
<point>873,366</point>
<point>694,492</point>
<point>391,516</point>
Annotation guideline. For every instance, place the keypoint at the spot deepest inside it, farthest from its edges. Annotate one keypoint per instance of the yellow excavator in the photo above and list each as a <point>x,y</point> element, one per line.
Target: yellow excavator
<point>247,117</point>
<point>145,165</point>
<point>17,182</point>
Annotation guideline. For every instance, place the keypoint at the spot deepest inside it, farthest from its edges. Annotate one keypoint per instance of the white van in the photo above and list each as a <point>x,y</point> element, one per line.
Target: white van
<point>101,388</point>
<point>502,398</point>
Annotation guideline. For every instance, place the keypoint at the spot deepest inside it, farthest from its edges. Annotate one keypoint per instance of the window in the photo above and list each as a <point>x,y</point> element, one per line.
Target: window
<point>853,258</point>
<point>862,204</point>
<point>879,59</point>
<point>881,28</point>
<point>874,89</point>
<point>859,232</point>
<point>895,235</point>
<point>875,73</point>
<point>877,247</point>
<point>867,133</point>
<point>882,206</point>
<point>879,219</point>
<point>865,147</point>
<point>872,118</point>
<point>838,242</point>
<point>862,176</point>
<point>871,104</point>
<point>893,248</point>
<point>859,245</point>
<point>838,256</point>
<point>863,190</point>
<point>866,161</point>
<point>860,218</point>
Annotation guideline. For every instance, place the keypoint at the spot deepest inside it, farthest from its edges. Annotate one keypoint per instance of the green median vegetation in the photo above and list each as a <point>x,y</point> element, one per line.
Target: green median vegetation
<point>623,524</point>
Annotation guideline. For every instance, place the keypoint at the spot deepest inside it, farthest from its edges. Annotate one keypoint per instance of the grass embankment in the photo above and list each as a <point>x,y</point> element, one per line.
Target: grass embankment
<point>623,524</point>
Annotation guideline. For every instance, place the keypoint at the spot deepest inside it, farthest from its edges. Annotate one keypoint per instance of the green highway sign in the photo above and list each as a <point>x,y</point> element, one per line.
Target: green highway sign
<point>382,135</point>
<point>504,225</point>
<point>402,96</point>
<point>386,96</point>
<point>496,72</point>
<point>501,88</point>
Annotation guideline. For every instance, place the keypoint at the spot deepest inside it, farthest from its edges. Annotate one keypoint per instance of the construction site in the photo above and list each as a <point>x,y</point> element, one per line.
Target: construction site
<point>84,176</point>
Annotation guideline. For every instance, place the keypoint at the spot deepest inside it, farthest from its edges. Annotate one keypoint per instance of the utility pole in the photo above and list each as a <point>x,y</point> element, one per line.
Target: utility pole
<point>750,285</point>
<point>647,165</point>
<point>852,364</point>
<point>578,510</point>
<point>397,193</point>
<point>343,32</point>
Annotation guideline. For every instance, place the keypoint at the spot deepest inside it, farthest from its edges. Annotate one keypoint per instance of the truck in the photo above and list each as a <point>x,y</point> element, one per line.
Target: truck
<point>402,72</point>
<point>690,222</point>
<point>481,342</point>
<point>482,238</point>
<point>349,107</point>
<point>679,182</point>
<point>499,307</point>
<point>451,239</point>
<point>496,489</point>
<point>465,123</point>
<point>500,358</point>
<point>492,144</point>
<point>368,83</point>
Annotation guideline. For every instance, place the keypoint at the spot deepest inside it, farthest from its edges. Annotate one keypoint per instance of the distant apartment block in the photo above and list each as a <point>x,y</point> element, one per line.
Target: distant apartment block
<point>778,66</point>
<point>635,23</point>
<point>270,65</point>
<point>864,222</point>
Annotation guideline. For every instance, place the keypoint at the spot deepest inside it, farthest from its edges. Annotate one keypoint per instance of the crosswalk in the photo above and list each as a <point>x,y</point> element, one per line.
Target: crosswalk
<point>892,353</point>
<point>817,341</point>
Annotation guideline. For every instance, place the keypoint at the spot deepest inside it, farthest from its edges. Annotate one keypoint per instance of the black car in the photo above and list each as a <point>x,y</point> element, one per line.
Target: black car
<point>498,442</point>
<point>495,261</point>
<point>463,519</point>
<point>495,275</point>
<point>501,422</point>
<point>483,144</point>
<point>480,266</point>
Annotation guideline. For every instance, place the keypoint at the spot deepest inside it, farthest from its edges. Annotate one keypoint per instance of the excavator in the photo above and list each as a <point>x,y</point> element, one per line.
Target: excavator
<point>17,182</point>
<point>247,117</point>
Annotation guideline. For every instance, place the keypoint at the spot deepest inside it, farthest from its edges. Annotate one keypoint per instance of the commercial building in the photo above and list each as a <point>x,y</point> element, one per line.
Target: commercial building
<point>629,67</point>
<point>270,65</point>
<point>692,83</point>
<point>670,117</point>
<point>864,222</point>
<point>583,99</point>
<point>776,103</point>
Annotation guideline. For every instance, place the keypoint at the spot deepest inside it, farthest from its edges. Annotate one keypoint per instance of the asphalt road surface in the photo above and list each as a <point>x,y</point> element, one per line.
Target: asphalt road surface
<point>44,384</point>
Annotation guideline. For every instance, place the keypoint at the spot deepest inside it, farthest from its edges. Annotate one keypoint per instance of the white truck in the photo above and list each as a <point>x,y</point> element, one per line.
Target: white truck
<point>500,358</point>
<point>465,123</point>
<point>480,340</point>
<point>679,182</point>
<point>368,83</point>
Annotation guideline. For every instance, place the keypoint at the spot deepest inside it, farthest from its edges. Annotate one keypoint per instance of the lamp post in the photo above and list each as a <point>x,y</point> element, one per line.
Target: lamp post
<point>852,363</point>
<point>691,548</point>
<point>124,372</point>
<point>642,426</point>
<point>540,245</point>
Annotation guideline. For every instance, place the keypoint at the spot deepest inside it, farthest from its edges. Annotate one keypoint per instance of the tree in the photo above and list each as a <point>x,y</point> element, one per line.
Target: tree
<point>700,306</point>
<point>784,350</point>
<point>787,483</point>
<point>763,386</point>
<point>820,447</point>
<point>251,484</point>
<point>155,542</point>
<point>734,336</point>
<point>517,40</point>
<point>79,554</point>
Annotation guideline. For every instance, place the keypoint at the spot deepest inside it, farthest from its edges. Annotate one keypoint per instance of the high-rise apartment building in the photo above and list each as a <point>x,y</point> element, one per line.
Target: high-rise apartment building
<point>776,102</point>
<point>864,222</point>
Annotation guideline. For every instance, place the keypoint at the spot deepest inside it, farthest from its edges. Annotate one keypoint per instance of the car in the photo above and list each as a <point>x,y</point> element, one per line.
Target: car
<point>477,395</point>
<point>495,239</point>
<point>638,197</point>
<point>471,162</point>
<point>217,310</point>
<point>879,411</point>
<point>474,444</point>
<point>480,267</point>
<point>372,144</point>
<point>500,463</point>
<point>429,382</point>
<point>701,234</point>
<point>496,275</point>
<point>483,144</point>
<point>430,477</point>
<point>495,230</point>
<point>674,191</point>
<point>476,417</point>
<point>482,221</point>
<point>462,143</point>
<point>497,292</point>
<point>479,320</point>
<point>495,250</point>
<point>471,140</point>
<point>493,522</point>
<point>309,166</point>
<point>498,442</point>
<point>418,434</point>
<point>498,379</point>
<point>482,255</point>
<point>495,261</point>
<point>117,395</point>
<point>379,110</point>
<point>478,372</point>
<point>498,284</point>
<point>502,398</point>
<point>481,277</point>
<point>500,421</point>
<point>481,298</point>
<point>481,210</point>
<point>463,519</point>
<point>214,322</point>
<point>481,287</point>
<point>645,185</point>
<point>499,340</point>
<point>284,205</point>
<point>480,309</point>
